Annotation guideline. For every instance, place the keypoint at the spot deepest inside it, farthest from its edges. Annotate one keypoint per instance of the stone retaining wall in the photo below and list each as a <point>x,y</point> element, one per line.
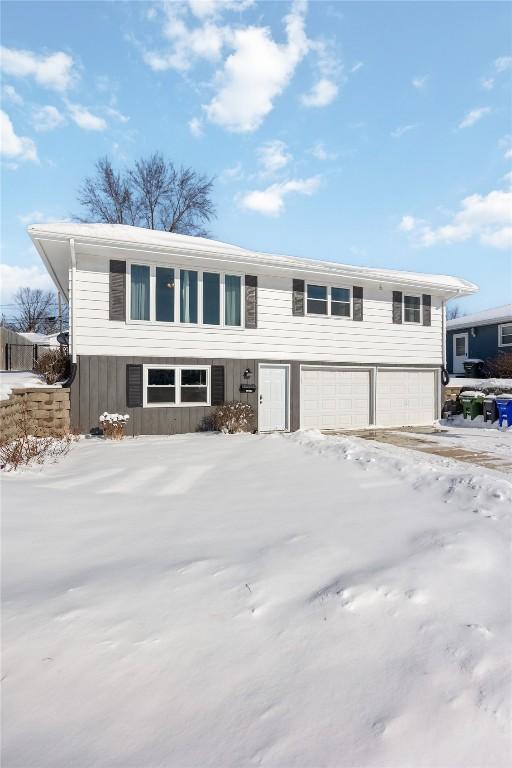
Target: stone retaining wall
<point>47,408</point>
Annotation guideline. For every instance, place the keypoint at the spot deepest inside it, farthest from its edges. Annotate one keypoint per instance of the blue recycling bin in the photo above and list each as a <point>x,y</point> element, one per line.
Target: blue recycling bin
<point>504,405</point>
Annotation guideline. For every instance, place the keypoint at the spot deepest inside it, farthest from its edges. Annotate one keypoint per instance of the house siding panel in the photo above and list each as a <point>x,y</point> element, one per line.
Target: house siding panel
<point>279,335</point>
<point>482,346</point>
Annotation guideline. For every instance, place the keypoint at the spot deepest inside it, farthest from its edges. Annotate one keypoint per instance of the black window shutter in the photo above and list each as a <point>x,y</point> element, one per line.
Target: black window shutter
<point>251,301</point>
<point>133,386</point>
<point>426,300</point>
<point>357,302</point>
<point>217,384</point>
<point>117,290</point>
<point>397,306</point>
<point>298,297</point>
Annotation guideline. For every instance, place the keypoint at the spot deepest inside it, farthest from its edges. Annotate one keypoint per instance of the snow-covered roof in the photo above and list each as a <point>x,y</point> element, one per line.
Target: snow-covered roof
<point>47,238</point>
<point>501,314</point>
<point>40,338</point>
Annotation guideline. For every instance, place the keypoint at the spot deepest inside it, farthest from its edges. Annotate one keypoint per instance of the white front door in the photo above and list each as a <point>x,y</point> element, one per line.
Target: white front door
<point>273,398</point>
<point>460,351</point>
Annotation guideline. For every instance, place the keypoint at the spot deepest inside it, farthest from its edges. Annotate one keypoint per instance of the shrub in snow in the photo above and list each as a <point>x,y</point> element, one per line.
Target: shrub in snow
<point>24,448</point>
<point>53,365</point>
<point>234,417</point>
<point>113,425</point>
<point>501,366</point>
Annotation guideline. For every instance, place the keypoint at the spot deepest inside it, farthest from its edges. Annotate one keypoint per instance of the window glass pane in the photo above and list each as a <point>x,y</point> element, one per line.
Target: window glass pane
<point>211,298</point>
<point>316,307</point>
<point>232,300</point>
<point>193,377</point>
<point>139,292</point>
<point>340,294</point>
<point>339,309</point>
<point>164,294</point>
<point>188,296</point>
<point>161,394</point>
<point>412,309</point>
<point>161,376</point>
<point>460,346</point>
<point>317,292</point>
<point>194,395</point>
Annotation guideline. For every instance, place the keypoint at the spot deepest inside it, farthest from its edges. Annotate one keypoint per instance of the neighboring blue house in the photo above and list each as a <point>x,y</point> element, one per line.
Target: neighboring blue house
<point>480,336</point>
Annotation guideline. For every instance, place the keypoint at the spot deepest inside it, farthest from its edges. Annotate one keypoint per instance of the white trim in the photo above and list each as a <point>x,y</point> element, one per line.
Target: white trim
<point>500,335</point>
<point>177,385</point>
<point>73,300</point>
<point>287,366</point>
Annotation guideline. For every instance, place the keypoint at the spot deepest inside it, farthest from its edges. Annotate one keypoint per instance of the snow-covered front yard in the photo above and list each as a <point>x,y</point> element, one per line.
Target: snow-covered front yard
<point>217,602</point>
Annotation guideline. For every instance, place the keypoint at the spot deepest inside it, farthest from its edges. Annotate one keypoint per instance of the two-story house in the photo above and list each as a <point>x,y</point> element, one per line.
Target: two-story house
<point>165,327</point>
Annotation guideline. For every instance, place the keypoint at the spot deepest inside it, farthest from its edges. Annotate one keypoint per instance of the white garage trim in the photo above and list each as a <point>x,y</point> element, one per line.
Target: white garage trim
<point>395,419</point>
<point>369,395</point>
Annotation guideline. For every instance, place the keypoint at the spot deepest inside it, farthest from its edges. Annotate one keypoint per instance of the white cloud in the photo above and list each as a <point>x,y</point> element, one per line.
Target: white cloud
<point>85,119</point>
<point>256,73</point>
<point>54,70</point>
<point>38,217</point>
<point>273,156</point>
<point>506,144</point>
<point>12,146</point>
<point>234,173</point>
<point>321,94</point>
<point>13,277</point>
<point>486,217</point>
<point>398,132</point>
<point>357,66</point>
<point>270,201</point>
<point>196,127</point>
<point>487,83</point>
<point>207,8</point>
<point>474,116</point>
<point>47,118</point>
<point>419,82</point>
<point>508,178</point>
<point>502,63</point>
<point>10,93</point>
<point>321,153</point>
<point>117,115</point>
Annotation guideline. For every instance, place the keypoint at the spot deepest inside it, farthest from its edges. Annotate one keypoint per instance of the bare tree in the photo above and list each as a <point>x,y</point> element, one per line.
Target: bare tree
<point>453,312</point>
<point>153,193</point>
<point>36,311</point>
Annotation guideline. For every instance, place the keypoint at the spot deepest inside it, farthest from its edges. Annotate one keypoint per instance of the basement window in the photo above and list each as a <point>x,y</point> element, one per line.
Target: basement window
<point>176,386</point>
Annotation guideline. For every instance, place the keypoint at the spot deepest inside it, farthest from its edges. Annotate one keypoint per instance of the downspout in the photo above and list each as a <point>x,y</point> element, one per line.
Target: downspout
<point>72,303</point>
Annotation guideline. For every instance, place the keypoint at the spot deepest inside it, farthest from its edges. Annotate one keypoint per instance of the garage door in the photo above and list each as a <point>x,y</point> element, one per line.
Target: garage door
<point>405,398</point>
<point>334,398</point>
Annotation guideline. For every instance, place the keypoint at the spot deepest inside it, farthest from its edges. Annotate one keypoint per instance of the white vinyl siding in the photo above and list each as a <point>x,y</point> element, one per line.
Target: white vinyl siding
<point>279,335</point>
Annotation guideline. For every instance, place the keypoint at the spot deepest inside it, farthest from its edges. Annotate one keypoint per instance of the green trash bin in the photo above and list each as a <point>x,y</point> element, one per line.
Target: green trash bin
<point>472,404</point>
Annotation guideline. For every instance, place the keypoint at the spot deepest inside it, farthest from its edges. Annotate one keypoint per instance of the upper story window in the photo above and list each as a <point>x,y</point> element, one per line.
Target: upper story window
<point>505,335</point>
<point>326,300</point>
<point>233,300</point>
<point>139,306</point>
<point>412,309</point>
<point>185,296</point>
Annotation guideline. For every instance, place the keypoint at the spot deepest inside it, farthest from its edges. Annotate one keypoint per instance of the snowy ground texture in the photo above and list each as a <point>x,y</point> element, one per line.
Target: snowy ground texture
<point>217,602</point>
<point>10,380</point>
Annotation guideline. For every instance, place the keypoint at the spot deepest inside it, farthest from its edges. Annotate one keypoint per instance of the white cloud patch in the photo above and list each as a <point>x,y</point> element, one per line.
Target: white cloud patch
<point>487,83</point>
<point>502,63</point>
<point>10,93</point>
<point>234,173</point>
<point>15,147</point>
<point>38,217</point>
<point>321,153</point>
<point>85,119</point>
<point>402,129</point>
<point>419,82</point>
<point>485,217</point>
<point>474,116</point>
<point>270,201</point>
<point>47,118</point>
<point>356,67</point>
<point>273,156</point>
<point>195,127</point>
<point>55,70</point>
<point>321,94</point>
<point>117,115</point>
<point>506,144</point>
<point>13,277</point>
<point>256,73</point>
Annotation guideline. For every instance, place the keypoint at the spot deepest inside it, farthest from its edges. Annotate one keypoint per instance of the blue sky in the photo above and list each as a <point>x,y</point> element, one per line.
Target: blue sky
<point>375,133</point>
